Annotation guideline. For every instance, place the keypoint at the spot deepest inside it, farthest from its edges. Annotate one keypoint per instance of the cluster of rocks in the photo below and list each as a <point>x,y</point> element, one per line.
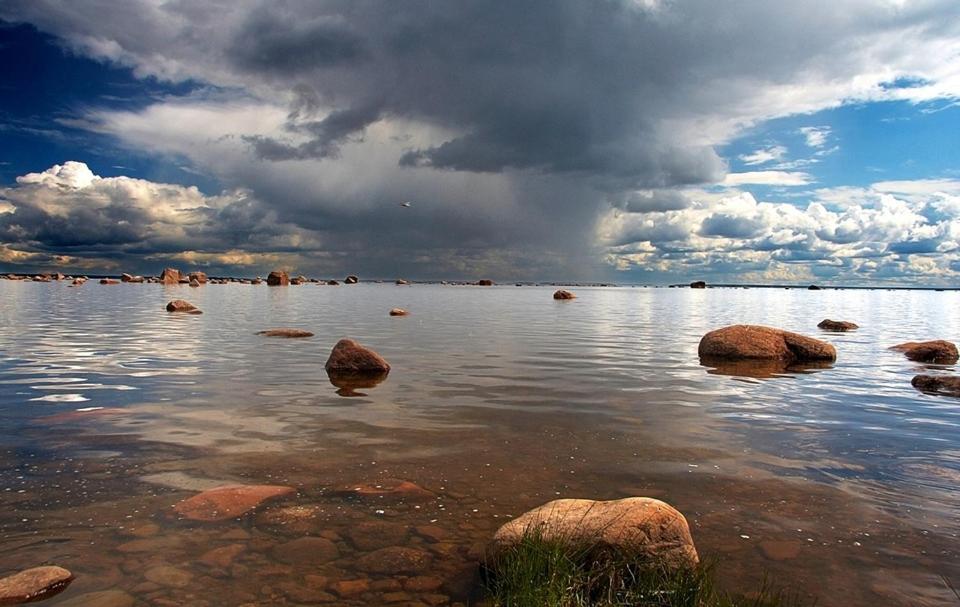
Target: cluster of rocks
<point>725,348</point>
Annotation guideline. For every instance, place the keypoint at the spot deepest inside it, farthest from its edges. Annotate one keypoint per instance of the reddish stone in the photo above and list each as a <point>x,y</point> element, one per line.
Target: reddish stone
<point>34,584</point>
<point>228,502</point>
<point>936,351</point>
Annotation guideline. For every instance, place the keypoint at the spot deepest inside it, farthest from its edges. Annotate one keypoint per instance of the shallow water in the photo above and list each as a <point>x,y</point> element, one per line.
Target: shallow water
<point>841,482</point>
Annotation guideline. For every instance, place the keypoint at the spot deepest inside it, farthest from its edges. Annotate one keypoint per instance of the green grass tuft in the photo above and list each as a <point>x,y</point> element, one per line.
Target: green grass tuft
<point>541,573</point>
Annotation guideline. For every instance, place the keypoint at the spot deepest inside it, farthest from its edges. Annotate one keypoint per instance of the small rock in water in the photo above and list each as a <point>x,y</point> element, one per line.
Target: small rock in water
<point>392,488</point>
<point>109,281</point>
<point>936,351</point>
<point>200,277</point>
<point>401,281</point>
<point>350,357</point>
<point>278,278</point>
<point>937,384</point>
<point>485,282</point>
<point>837,325</point>
<point>179,305</point>
<point>285,333</point>
<point>194,282</point>
<point>698,284</point>
<point>170,276</point>
<point>398,312</point>
<point>351,280</point>
<point>562,294</point>
<point>34,584</point>
<point>228,502</point>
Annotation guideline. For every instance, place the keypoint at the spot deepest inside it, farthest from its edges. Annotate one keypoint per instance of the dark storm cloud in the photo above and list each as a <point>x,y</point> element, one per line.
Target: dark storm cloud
<point>520,124</point>
<point>326,135</point>
<point>273,45</point>
<point>730,226</point>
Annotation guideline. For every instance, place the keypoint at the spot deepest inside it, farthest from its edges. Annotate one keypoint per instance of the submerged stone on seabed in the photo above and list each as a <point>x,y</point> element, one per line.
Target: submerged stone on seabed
<point>34,584</point>
<point>231,501</point>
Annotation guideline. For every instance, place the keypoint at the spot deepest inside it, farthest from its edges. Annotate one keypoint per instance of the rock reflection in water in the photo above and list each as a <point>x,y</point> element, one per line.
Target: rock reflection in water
<point>761,369</point>
<point>349,384</point>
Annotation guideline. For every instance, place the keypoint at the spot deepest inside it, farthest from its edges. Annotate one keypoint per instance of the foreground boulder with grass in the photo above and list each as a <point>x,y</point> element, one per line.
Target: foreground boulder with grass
<point>754,342</point>
<point>642,528</point>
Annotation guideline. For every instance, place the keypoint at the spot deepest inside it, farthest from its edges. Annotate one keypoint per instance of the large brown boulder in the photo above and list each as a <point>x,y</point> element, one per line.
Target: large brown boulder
<point>753,342</point>
<point>639,526</point>
<point>936,351</point>
<point>170,276</point>
<point>179,305</point>
<point>228,502</point>
<point>562,294</point>
<point>837,325</point>
<point>278,278</point>
<point>349,357</point>
<point>200,277</point>
<point>34,584</point>
<point>937,384</point>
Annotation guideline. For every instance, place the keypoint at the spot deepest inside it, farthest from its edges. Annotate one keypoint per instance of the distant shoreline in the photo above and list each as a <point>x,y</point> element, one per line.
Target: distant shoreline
<point>525,283</point>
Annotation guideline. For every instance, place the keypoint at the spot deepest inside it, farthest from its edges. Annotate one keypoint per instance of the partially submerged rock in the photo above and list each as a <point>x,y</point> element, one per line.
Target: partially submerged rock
<point>641,527</point>
<point>200,277</point>
<point>349,357</point>
<point>278,278</point>
<point>389,489</point>
<point>170,276</point>
<point>179,305</point>
<point>401,281</point>
<point>562,294</point>
<point>351,280</point>
<point>398,312</point>
<point>109,281</point>
<point>485,282</point>
<point>753,342</point>
<point>698,284</point>
<point>936,351</point>
<point>227,502</point>
<point>34,584</point>
<point>937,384</point>
<point>285,333</point>
<point>837,325</point>
<point>813,288</point>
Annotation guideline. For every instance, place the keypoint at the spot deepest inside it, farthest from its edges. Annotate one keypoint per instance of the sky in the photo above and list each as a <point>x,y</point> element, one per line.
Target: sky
<point>635,141</point>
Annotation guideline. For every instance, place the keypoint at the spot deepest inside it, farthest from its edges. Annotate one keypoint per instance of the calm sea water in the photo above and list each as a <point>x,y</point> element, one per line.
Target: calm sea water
<point>842,482</point>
